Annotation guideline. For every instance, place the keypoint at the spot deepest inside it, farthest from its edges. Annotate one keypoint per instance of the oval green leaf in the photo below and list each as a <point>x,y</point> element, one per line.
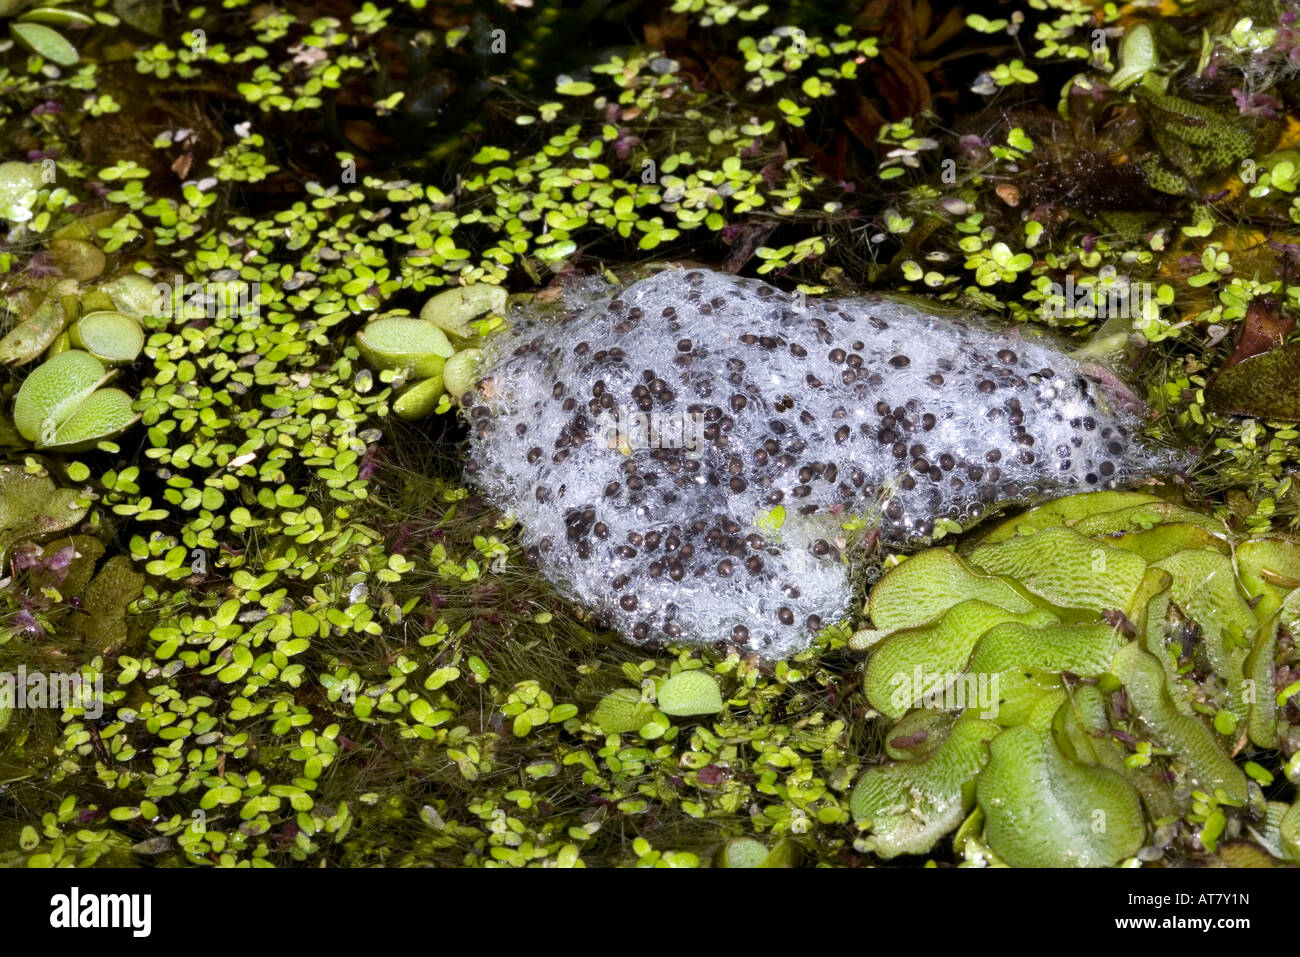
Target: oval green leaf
<point>104,414</point>
<point>111,337</point>
<point>53,390</point>
<point>43,41</point>
<point>399,342</point>
<point>689,693</point>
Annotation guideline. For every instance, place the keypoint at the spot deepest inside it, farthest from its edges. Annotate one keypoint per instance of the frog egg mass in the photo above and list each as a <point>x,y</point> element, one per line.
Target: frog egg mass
<point>682,454</point>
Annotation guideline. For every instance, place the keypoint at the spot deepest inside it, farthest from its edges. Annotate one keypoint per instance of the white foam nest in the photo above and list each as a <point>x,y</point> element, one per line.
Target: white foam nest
<point>681,454</point>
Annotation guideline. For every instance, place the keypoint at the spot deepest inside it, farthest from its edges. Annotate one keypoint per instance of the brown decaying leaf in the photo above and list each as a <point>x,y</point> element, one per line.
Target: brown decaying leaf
<point>746,238</point>
<point>1264,329</point>
<point>1265,386</point>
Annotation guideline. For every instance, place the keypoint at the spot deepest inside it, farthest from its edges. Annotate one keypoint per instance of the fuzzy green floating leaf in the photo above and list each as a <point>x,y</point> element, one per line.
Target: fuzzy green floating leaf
<point>926,585</point>
<point>111,337</point>
<point>76,258</point>
<point>104,414</point>
<point>57,16</point>
<point>1289,832</point>
<point>132,294</point>
<point>908,805</point>
<point>1142,517</point>
<point>27,340</point>
<point>1192,742</point>
<point>19,184</point>
<point>742,852</point>
<point>1083,649</point>
<point>1044,810</point>
<point>462,371</point>
<point>1205,589</point>
<point>1065,511</point>
<point>73,578</point>
<point>453,311</point>
<point>1066,568</point>
<point>419,398</point>
<point>749,852</point>
<point>938,649</point>
<point>53,390</point>
<point>31,506</point>
<point>1269,570</point>
<point>411,345</point>
<point>622,711</point>
<point>689,693</point>
<point>1028,661</point>
<point>1082,731</point>
<point>917,734</point>
<point>1156,544</point>
<point>144,15</point>
<point>106,600</point>
<point>1262,723</point>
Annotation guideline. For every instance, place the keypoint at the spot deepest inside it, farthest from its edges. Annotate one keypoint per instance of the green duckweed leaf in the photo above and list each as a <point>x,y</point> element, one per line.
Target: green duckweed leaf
<point>1137,55</point>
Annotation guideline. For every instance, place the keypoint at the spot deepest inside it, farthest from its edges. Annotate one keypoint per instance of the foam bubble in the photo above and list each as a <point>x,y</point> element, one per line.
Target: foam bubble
<point>649,440</point>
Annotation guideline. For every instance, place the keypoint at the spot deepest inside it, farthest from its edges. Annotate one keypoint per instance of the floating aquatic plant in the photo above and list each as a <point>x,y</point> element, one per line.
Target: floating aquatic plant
<point>1059,643</point>
<point>63,402</point>
<point>339,654</point>
<point>420,350</point>
<point>32,507</point>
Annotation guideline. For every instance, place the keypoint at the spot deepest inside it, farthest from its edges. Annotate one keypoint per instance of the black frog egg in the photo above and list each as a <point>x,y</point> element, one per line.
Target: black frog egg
<point>681,454</point>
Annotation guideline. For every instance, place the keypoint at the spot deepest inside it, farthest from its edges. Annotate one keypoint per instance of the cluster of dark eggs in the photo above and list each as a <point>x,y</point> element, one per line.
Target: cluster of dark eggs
<point>682,455</point>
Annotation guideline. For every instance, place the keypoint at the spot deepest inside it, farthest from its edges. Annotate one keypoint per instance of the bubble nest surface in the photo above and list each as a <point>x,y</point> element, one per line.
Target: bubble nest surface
<point>681,454</point>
